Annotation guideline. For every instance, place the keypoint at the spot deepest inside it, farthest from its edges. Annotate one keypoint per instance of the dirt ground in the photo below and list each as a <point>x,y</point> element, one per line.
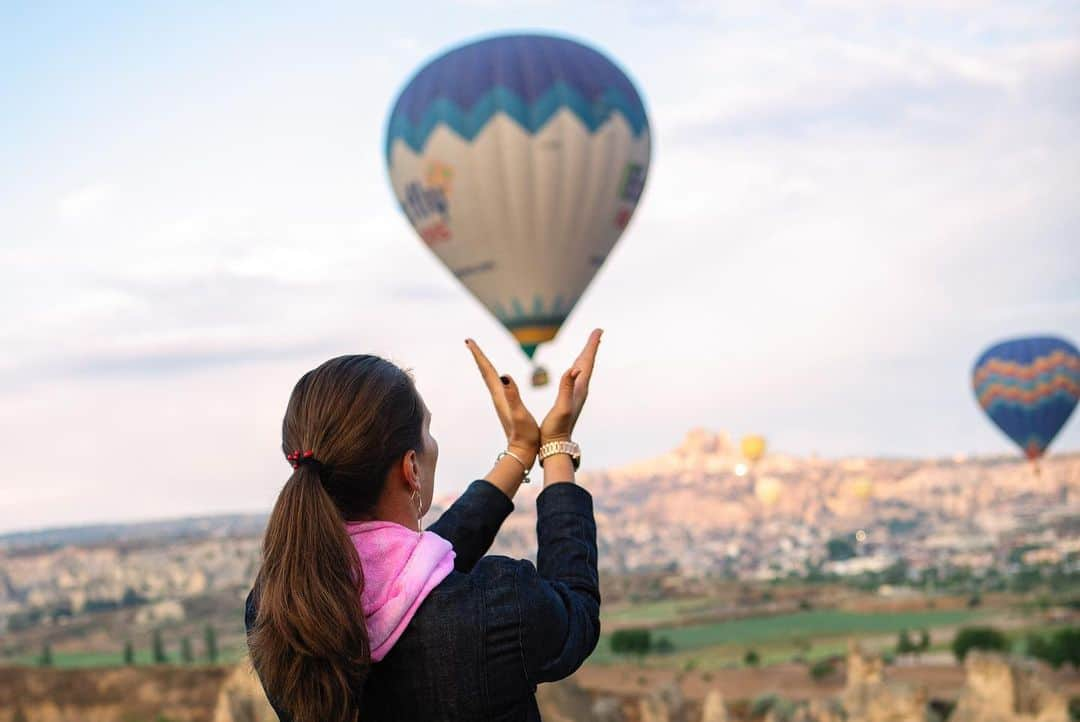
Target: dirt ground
<point>788,680</point>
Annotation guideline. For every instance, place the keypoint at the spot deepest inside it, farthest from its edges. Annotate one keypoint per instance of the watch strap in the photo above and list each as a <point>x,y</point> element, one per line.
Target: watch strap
<point>552,448</point>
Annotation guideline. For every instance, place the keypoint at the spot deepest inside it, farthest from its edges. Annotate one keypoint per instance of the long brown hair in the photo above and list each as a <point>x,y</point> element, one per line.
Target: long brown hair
<point>358,415</point>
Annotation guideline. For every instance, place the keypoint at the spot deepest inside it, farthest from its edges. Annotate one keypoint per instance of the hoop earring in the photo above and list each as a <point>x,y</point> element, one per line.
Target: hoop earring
<point>419,506</point>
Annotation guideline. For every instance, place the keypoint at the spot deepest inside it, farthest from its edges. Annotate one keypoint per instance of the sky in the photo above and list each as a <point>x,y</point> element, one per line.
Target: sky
<point>847,202</point>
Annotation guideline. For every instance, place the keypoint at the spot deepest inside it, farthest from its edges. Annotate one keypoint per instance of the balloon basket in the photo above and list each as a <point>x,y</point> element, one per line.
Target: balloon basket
<point>539,377</point>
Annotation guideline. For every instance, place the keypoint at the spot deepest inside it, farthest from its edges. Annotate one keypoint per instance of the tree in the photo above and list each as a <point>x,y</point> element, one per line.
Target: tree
<point>840,548</point>
<point>822,669</point>
<point>664,646</point>
<point>129,653</point>
<point>904,645</point>
<point>924,641</point>
<point>631,641</point>
<point>210,639</point>
<point>185,651</point>
<point>159,648</point>
<point>46,658</point>
<point>985,638</point>
<point>751,658</point>
<point>1067,641</point>
<point>1061,647</point>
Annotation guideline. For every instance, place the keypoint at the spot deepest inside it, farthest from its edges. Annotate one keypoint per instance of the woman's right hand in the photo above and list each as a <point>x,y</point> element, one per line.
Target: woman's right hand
<point>559,423</point>
<point>522,433</point>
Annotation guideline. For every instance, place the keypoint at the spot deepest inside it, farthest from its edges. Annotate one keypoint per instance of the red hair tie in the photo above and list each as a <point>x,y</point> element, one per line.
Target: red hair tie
<point>297,458</point>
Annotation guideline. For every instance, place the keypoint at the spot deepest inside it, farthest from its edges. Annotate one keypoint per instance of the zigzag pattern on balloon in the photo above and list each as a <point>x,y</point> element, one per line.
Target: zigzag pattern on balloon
<point>1062,386</point>
<point>1058,360</point>
<point>531,116</point>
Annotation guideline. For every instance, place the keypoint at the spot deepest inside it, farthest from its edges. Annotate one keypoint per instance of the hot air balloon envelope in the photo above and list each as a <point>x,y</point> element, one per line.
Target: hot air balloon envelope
<point>753,447</point>
<point>862,488</point>
<point>1029,388</point>
<point>519,160</point>
<point>768,490</point>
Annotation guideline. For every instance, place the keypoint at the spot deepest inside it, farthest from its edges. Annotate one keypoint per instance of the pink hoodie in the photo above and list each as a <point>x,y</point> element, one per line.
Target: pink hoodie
<point>401,567</point>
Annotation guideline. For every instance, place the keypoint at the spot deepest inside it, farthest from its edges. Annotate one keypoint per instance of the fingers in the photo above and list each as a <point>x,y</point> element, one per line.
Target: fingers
<point>487,370</point>
<point>587,358</point>
<point>491,380</point>
<point>510,390</point>
<point>565,398</point>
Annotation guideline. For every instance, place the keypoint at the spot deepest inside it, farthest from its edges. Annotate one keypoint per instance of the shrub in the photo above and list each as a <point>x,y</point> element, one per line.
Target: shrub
<point>904,645</point>
<point>985,638</point>
<point>664,646</point>
<point>631,641</point>
<point>751,658</point>
<point>1060,647</point>
<point>159,648</point>
<point>210,642</point>
<point>822,669</point>
<point>763,703</point>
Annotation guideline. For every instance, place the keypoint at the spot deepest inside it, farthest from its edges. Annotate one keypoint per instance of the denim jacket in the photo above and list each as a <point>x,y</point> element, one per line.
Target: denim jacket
<point>496,627</point>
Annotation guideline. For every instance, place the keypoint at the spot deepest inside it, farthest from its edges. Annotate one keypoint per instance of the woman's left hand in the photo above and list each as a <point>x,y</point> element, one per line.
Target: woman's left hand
<point>522,431</point>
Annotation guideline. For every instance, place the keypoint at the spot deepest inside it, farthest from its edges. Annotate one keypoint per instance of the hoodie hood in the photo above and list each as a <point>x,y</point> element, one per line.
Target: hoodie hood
<point>400,567</point>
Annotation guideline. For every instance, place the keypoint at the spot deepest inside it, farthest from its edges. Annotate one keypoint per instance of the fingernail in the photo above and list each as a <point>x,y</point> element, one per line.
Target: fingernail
<point>505,380</point>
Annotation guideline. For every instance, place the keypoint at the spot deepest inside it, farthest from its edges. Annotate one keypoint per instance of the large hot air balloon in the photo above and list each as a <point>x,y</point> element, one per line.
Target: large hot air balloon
<point>753,447</point>
<point>1029,387</point>
<point>519,160</point>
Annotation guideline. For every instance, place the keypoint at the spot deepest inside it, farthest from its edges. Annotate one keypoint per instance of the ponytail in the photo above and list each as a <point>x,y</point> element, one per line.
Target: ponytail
<point>348,422</point>
<point>309,643</point>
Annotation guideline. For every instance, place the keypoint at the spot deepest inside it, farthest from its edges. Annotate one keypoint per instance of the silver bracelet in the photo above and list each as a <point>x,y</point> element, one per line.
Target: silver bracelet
<point>516,458</point>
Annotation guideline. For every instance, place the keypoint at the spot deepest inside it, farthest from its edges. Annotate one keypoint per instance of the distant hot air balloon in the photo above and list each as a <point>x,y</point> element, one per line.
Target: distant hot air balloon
<point>519,160</point>
<point>753,447</point>
<point>862,488</point>
<point>1029,387</point>
<point>767,489</point>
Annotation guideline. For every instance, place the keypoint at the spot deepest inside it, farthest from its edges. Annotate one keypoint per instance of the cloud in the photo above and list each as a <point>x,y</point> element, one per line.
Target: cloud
<point>85,202</point>
<point>846,203</point>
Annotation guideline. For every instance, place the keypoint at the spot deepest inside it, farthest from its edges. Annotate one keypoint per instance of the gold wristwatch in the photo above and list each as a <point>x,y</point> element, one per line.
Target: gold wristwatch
<point>552,448</point>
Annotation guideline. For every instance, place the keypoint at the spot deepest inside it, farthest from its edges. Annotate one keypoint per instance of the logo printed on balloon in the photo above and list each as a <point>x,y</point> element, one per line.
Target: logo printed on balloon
<point>428,205</point>
<point>440,175</point>
<point>633,183</point>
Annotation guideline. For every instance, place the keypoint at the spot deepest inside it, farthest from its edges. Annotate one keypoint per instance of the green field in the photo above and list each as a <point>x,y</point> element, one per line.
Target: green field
<point>816,633</point>
<point>78,660</point>
<point>667,610</point>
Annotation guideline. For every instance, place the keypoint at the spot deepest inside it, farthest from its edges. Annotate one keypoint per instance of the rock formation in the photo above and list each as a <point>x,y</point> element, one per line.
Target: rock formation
<point>868,697</point>
<point>564,702</point>
<point>714,709</point>
<point>120,694</point>
<point>997,689</point>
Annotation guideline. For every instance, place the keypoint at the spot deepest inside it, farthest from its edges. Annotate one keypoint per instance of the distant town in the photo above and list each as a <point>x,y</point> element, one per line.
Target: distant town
<point>668,527</point>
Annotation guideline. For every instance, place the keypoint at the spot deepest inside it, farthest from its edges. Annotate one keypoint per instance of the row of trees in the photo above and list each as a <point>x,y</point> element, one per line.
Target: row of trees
<point>158,651</point>
<point>1056,648</point>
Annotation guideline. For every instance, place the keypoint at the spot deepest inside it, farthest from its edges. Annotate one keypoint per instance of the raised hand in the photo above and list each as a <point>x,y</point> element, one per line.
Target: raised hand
<point>559,423</point>
<point>522,433</point>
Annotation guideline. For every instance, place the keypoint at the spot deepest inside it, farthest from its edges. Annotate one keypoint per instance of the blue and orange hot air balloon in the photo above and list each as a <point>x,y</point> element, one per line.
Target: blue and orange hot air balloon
<point>1029,388</point>
<point>519,160</point>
